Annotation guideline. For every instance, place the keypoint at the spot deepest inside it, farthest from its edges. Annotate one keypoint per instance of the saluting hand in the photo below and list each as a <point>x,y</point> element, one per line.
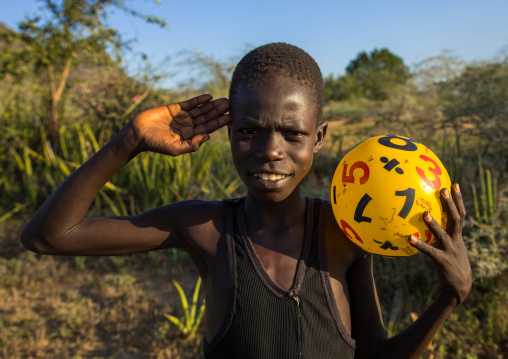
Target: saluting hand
<point>449,254</point>
<point>179,128</point>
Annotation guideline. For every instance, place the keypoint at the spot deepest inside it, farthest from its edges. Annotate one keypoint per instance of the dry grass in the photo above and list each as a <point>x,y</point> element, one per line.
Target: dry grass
<point>51,309</point>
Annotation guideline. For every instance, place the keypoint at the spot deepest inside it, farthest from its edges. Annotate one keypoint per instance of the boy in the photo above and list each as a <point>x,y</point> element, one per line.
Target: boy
<point>281,280</point>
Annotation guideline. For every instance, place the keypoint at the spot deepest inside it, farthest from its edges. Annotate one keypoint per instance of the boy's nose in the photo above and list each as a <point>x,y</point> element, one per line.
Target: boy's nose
<point>270,149</point>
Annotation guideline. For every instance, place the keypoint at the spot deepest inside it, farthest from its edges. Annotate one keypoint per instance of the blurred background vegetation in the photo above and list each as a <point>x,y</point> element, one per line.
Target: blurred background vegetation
<point>64,94</point>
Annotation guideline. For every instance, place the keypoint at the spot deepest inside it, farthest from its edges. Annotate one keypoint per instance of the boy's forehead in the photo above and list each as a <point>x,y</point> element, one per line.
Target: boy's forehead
<point>278,94</point>
<point>272,88</point>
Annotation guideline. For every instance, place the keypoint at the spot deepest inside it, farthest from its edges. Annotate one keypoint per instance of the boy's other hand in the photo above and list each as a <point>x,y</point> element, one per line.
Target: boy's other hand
<point>178,128</point>
<point>449,253</point>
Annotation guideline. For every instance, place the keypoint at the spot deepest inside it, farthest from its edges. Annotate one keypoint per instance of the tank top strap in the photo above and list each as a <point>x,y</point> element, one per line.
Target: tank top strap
<point>325,274</point>
<point>230,229</point>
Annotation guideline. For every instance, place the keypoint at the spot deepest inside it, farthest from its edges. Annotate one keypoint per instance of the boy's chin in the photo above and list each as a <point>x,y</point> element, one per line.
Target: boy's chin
<point>272,197</point>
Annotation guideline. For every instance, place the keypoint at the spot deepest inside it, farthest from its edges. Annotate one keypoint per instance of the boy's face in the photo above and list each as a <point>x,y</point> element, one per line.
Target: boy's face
<point>274,137</point>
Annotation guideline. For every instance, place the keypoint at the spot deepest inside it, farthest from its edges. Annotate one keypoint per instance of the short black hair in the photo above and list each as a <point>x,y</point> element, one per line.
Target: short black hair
<point>283,59</point>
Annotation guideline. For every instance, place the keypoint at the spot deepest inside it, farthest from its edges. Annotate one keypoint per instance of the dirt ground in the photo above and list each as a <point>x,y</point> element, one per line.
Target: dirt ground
<point>93,307</point>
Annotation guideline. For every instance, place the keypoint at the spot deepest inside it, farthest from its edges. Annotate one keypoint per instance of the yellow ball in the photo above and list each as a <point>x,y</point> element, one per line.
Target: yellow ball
<point>380,190</point>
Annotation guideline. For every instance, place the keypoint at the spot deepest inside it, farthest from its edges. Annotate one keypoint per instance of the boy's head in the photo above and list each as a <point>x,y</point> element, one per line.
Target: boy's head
<point>280,59</point>
<point>276,99</point>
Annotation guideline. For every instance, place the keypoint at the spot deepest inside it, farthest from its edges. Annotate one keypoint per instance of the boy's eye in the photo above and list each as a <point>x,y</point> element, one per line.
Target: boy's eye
<point>248,131</point>
<point>294,135</point>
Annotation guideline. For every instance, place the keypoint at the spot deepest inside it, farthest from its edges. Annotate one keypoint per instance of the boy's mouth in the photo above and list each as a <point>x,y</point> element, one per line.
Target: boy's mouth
<point>270,176</point>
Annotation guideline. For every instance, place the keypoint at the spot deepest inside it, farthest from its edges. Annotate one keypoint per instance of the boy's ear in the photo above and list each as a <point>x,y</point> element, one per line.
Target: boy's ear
<point>320,136</point>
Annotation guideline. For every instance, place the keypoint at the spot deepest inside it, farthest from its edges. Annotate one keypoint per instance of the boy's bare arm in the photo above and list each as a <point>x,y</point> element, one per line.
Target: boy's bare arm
<point>59,227</point>
<point>449,256</point>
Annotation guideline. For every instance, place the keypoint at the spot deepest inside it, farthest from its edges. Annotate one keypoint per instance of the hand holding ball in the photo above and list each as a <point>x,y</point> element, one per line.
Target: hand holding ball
<point>380,190</point>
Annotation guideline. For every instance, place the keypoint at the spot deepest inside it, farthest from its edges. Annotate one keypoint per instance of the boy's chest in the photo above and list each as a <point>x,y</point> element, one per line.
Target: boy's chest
<point>280,266</point>
<point>279,259</point>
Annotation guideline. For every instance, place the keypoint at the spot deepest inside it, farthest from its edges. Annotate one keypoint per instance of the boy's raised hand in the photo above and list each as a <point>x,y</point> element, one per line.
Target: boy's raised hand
<point>59,226</point>
<point>449,253</point>
<point>178,128</point>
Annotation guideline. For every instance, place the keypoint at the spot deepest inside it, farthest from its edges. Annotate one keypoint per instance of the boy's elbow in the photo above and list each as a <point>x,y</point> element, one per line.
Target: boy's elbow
<point>33,243</point>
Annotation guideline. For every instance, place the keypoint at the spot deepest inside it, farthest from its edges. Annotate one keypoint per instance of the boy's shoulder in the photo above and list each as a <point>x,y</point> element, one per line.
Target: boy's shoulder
<point>199,222</point>
<point>197,204</point>
<point>189,216</point>
<point>187,212</point>
<point>336,240</point>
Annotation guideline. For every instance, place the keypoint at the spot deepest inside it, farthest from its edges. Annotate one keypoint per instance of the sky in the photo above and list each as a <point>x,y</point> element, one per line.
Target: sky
<point>333,32</point>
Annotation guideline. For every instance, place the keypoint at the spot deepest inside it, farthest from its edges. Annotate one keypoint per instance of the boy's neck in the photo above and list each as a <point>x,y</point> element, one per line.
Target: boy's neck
<point>275,216</point>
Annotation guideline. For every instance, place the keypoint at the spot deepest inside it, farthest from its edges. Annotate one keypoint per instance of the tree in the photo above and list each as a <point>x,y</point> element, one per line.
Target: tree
<point>477,102</point>
<point>207,73</point>
<point>69,31</point>
<point>428,74</point>
<point>378,72</point>
<point>341,88</point>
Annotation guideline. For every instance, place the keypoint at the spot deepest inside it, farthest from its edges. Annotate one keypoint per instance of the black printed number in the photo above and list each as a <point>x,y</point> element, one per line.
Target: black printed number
<point>365,200</point>
<point>359,217</point>
<point>408,203</point>
<point>409,146</point>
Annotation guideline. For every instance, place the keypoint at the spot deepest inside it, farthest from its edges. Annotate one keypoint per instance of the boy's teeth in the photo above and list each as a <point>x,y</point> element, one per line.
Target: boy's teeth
<point>269,176</point>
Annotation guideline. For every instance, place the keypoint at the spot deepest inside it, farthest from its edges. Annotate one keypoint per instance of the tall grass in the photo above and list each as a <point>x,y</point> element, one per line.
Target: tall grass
<point>149,180</point>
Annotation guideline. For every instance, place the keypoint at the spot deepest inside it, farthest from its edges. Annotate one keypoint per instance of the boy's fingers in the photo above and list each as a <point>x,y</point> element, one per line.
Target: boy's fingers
<point>459,203</point>
<point>439,232</point>
<point>453,223</point>
<point>209,111</point>
<point>213,125</point>
<point>423,247</point>
<point>198,140</point>
<point>195,102</point>
<point>193,144</point>
<point>197,112</point>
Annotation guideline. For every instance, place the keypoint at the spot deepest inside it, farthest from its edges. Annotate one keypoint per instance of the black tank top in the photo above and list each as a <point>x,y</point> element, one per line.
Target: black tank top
<point>264,321</point>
